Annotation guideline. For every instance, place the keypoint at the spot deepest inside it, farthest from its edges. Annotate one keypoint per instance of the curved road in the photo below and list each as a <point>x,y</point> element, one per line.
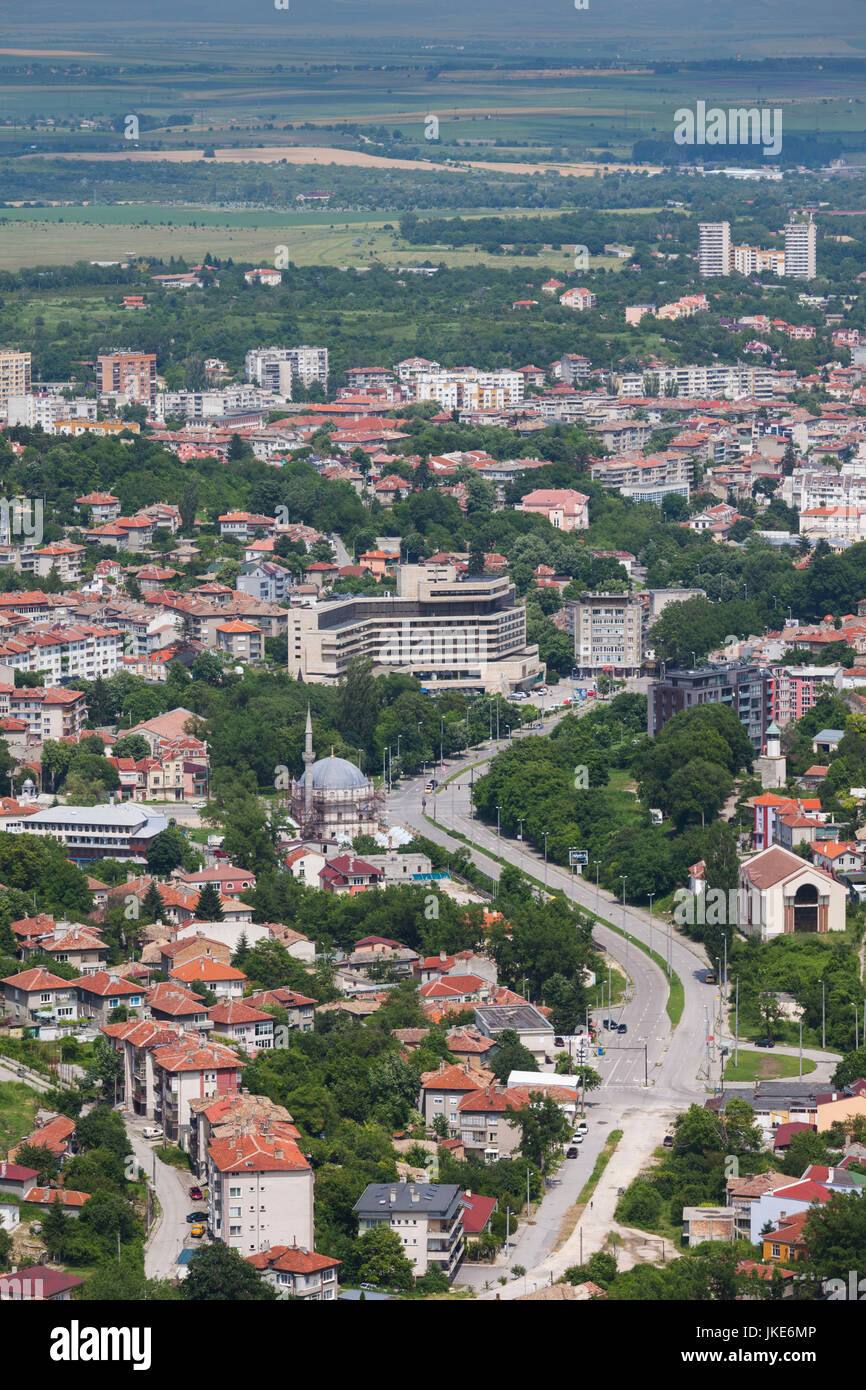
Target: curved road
<point>642,1103</point>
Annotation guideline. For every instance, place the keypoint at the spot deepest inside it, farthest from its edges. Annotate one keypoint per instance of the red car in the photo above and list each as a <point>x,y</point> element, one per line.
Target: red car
<point>196,1194</point>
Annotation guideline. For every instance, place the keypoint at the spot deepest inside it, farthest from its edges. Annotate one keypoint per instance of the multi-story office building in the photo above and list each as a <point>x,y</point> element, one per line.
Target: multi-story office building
<point>275,368</point>
<point>428,1218</point>
<point>451,631</point>
<point>608,633</point>
<point>14,374</point>
<point>714,248</point>
<point>128,373</point>
<point>99,832</point>
<point>800,250</point>
<point>744,689</point>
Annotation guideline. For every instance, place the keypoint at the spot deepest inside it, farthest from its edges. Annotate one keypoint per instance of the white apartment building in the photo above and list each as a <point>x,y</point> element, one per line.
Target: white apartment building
<point>41,411</point>
<point>260,1192</point>
<point>428,1218</point>
<point>801,250</point>
<point>467,389</point>
<point>205,405</point>
<point>754,260</point>
<point>275,367</point>
<point>714,248</point>
<point>704,383</point>
<point>65,651</point>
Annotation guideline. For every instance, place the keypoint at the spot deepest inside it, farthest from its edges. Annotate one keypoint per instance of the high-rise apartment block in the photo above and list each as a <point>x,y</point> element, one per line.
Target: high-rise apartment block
<point>800,250</point>
<point>608,634</point>
<point>275,368</point>
<point>714,248</point>
<point>14,374</point>
<point>129,373</point>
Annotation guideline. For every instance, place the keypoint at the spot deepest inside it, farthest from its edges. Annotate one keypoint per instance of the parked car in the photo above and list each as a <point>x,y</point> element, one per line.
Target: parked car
<point>197,1231</point>
<point>152,1131</point>
<point>571,1153</point>
<point>196,1194</point>
<point>21,1071</point>
<point>558,1042</point>
<point>765,1042</point>
<point>582,1128</point>
<point>605,1023</point>
<point>668,1141</point>
<point>196,1216</point>
<point>623,1028</point>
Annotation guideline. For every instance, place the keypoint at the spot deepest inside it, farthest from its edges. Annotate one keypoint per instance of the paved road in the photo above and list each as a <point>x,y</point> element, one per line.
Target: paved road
<point>172,1190</point>
<point>34,1079</point>
<point>649,1074</point>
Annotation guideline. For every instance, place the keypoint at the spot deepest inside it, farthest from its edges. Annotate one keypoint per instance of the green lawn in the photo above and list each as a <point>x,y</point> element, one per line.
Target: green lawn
<point>17,1107</point>
<point>764,1066</point>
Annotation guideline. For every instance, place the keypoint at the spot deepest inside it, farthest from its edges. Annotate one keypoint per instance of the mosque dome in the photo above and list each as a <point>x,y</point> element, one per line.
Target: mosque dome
<point>336,775</point>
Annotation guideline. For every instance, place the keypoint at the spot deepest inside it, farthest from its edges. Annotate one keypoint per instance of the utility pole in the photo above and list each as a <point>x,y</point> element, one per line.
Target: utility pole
<point>737,1025</point>
<point>801,1047</point>
<point>608,998</point>
<point>528,1207</point>
<point>597,862</point>
<point>823,1018</point>
<point>545,858</point>
<point>651,896</point>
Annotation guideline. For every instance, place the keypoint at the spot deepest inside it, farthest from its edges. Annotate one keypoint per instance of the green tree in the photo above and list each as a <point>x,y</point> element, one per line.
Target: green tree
<point>511,1055</point>
<point>382,1260</point>
<point>219,1273</point>
<point>543,1127</point>
<point>209,907</point>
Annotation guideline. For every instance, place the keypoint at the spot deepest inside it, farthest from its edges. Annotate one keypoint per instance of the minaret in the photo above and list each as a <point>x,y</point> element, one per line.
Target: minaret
<point>309,759</point>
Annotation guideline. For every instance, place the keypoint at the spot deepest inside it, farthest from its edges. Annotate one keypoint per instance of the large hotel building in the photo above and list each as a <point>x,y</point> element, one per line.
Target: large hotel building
<point>451,631</point>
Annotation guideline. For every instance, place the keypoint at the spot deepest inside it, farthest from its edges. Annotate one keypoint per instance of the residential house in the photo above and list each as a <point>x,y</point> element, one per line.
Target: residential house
<point>299,1273</point>
<point>428,1218</point>
<point>35,996</point>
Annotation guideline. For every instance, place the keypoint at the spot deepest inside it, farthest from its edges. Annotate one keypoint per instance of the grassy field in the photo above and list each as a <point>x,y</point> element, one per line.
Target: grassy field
<point>60,235</point>
<point>765,1066</point>
<point>17,1107</point>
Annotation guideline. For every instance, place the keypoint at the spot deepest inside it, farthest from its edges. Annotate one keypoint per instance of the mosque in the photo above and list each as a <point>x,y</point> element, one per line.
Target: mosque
<point>333,799</point>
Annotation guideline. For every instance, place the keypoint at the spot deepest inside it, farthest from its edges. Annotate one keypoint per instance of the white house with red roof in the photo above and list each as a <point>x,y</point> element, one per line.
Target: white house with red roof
<point>242,1022</point>
<point>36,995</point>
<point>226,981</point>
<point>299,1273</point>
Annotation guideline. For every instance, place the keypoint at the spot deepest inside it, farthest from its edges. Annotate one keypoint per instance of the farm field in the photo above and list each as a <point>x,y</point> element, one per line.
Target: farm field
<point>56,236</point>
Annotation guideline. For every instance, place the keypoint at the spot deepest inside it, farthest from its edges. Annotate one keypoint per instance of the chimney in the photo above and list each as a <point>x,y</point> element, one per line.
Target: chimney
<point>442,956</point>
<point>392,1195</point>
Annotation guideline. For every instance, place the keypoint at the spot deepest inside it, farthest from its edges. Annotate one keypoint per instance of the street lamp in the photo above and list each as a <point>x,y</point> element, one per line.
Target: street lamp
<point>596,862</point>
<point>520,820</point>
<point>498,810</point>
<point>651,896</point>
<point>545,857</point>
<point>823,1017</point>
<point>624,877</point>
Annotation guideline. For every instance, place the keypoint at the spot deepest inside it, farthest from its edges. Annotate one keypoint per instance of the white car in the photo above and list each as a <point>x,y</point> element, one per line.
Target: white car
<point>152,1132</point>
<point>577,1138</point>
<point>582,1129</point>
